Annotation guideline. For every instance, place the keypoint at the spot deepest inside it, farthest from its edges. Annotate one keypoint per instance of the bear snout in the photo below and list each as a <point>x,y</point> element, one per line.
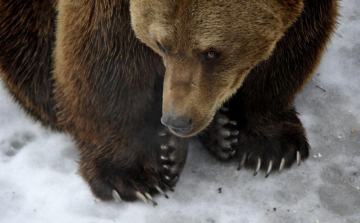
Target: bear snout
<point>177,124</point>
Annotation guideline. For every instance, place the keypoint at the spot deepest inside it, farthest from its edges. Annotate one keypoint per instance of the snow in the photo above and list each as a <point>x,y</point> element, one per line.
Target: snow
<point>39,180</point>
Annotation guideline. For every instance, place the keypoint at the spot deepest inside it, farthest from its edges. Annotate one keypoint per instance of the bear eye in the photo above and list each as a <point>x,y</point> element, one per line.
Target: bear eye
<point>161,47</point>
<point>211,55</point>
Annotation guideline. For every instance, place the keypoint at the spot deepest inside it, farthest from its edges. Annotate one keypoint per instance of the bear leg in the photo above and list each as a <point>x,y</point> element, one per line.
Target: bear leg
<point>108,88</point>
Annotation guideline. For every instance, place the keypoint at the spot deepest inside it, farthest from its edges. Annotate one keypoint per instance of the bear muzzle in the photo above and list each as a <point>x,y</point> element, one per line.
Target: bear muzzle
<point>177,124</point>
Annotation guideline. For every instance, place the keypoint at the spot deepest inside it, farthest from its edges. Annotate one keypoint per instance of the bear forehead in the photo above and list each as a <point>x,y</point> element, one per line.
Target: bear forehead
<point>205,23</point>
<point>222,11</point>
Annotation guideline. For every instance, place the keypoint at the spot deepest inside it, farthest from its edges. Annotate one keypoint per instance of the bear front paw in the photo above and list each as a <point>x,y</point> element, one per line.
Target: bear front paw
<point>173,153</point>
<point>221,136</point>
<point>273,145</point>
<point>109,182</point>
<point>137,178</point>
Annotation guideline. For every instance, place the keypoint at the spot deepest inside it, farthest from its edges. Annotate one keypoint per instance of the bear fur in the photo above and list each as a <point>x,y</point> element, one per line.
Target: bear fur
<point>232,70</point>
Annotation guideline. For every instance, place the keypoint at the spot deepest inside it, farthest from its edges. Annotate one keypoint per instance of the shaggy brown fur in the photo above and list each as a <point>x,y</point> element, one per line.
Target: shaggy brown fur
<point>106,88</point>
<point>27,35</point>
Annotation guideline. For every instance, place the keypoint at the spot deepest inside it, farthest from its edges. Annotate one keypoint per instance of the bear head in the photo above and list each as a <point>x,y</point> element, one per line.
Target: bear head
<point>208,48</point>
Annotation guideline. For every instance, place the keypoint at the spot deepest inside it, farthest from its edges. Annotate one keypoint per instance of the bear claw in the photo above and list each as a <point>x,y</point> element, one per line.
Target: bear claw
<point>161,191</point>
<point>116,196</point>
<point>150,198</point>
<point>222,120</point>
<point>225,133</point>
<point>269,169</point>
<point>257,167</point>
<point>282,165</point>
<point>169,187</point>
<point>298,158</point>
<point>140,196</point>
<point>242,161</point>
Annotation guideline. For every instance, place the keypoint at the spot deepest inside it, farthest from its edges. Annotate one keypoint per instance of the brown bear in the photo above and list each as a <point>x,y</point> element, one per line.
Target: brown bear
<point>78,67</point>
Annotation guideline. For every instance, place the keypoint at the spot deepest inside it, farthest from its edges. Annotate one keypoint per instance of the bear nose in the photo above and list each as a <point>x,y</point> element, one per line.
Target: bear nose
<point>176,123</point>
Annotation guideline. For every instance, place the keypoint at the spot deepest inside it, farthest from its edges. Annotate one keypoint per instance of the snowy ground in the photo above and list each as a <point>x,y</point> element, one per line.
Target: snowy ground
<point>39,180</point>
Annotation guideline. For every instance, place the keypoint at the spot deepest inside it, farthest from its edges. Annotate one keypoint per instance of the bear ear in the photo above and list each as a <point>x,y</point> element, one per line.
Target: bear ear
<point>290,9</point>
